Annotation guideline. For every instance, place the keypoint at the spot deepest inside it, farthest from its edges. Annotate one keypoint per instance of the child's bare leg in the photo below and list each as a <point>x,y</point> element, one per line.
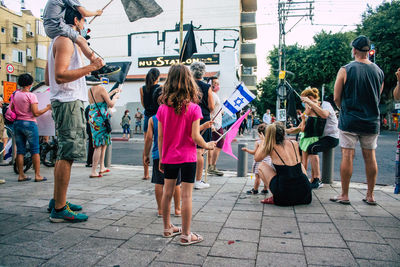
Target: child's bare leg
<point>177,200</point>
<point>257,182</point>
<point>304,159</point>
<point>83,45</point>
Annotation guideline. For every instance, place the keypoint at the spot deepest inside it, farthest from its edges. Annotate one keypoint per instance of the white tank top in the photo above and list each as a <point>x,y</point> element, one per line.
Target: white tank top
<point>67,92</point>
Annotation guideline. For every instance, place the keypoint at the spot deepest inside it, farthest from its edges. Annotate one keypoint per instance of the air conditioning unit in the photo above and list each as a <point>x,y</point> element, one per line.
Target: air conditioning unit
<point>15,40</point>
<point>30,34</point>
<point>29,58</point>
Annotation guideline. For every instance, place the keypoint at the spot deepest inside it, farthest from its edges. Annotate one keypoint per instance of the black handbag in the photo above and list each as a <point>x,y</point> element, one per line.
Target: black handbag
<point>314,127</point>
<point>106,122</point>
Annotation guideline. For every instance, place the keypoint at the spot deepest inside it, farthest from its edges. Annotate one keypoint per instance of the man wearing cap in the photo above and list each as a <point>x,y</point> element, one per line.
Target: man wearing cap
<point>357,93</point>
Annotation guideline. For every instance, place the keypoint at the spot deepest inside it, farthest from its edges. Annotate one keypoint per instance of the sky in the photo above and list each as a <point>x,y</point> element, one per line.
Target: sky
<point>329,15</point>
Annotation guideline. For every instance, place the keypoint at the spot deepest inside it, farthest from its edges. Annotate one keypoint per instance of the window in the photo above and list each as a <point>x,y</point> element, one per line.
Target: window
<point>3,30</point>
<point>3,56</point>
<point>28,52</point>
<point>17,32</point>
<point>28,27</point>
<point>12,78</point>
<point>40,28</point>
<point>18,56</point>
<point>41,52</point>
<point>39,77</point>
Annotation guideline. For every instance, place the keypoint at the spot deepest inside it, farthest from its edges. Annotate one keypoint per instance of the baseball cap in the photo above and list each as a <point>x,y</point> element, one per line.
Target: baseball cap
<point>361,42</point>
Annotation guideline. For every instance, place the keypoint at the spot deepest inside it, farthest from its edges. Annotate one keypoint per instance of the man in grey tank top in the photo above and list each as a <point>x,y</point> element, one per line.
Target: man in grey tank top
<point>357,93</point>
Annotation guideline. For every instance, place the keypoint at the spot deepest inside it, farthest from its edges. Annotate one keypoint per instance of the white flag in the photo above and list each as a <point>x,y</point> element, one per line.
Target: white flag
<point>238,100</point>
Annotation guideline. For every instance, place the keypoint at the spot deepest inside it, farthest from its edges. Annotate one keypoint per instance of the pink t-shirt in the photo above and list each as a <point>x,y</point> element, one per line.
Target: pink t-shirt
<point>178,146</point>
<point>22,103</point>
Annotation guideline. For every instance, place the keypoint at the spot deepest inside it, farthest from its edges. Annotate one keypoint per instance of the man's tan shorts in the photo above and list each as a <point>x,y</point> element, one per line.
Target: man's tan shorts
<point>349,140</point>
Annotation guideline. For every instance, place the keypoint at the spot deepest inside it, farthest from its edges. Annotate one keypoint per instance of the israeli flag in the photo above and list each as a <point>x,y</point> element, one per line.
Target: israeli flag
<point>238,100</point>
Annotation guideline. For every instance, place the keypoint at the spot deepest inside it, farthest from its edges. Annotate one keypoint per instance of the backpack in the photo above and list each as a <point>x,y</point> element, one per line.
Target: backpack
<point>9,115</point>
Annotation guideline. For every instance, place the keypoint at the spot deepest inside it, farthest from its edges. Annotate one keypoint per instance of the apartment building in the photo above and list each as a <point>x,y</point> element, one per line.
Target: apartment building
<point>23,45</point>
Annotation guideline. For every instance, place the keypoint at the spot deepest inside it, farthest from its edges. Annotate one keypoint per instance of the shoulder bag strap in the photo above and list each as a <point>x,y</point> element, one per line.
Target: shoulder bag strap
<point>94,100</point>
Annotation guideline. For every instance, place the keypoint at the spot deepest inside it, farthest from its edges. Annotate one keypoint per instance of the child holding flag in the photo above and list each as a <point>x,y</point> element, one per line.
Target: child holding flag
<point>257,144</point>
<point>178,133</point>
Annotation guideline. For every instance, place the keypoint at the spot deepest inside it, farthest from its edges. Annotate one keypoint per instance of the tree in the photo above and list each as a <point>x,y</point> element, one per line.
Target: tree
<point>382,26</point>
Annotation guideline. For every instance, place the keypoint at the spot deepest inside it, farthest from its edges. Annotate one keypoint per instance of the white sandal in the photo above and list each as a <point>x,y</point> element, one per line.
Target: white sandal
<point>188,239</point>
<point>168,233</point>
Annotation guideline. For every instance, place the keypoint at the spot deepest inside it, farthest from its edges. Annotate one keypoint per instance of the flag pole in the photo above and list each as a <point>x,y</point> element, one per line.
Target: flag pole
<point>181,29</point>
<point>102,10</point>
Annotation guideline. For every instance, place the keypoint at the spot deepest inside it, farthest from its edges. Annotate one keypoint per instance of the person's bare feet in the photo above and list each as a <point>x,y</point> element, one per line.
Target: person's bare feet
<point>178,213</point>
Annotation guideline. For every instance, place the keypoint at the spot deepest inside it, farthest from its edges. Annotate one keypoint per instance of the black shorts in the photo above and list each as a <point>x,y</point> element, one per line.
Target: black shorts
<point>207,133</point>
<point>187,170</point>
<point>323,144</point>
<point>157,177</point>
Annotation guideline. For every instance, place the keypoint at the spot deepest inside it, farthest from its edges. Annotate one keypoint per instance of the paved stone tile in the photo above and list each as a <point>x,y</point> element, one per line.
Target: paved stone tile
<point>91,207</point>
<point>280,259</point>
<point>280,227</point>
<point>352,224</point>
<point>105,201</point>
<point>65,238</point>
<point>255,215</point>
<point>283,245</point>
<point>93,223</point>
<point>372,211</point>
<point>210,217</point>
<point>20,261</point>
<point>224,262</point>
<point>116,232</point>
<point>243,224</point>
<point>313,218</point>
<point>239,250</point>
<point>239,235</point>
<point>144,212</point>
<point>46,225</point>
<point>213,227</point>
<point>216,209</point>
<point>272,211</point>
<point>329,256</point>
<point>388,232</point>
<point>109,214</point>
<point>317,228</point>
<point>312,208</point>
<point>383,221</point>
<point>344,215</point>
<point>394,243</point>
<point>128,205</point>
<point>146,242</point>
<point>323,240</point>
<point>134,222</point>
<point>4,216</point>
<point>373,251</point>
<point>361,236</point>
<point>332,207</point>
<point>9,226</point>
<point>169,264</point>
<point>187,255</point>
<point>22,236</point>
<point>247,207</point>
<point>93,245</point>
<point>372,263</point>
<point>35,250</point>
<point>125,257</point>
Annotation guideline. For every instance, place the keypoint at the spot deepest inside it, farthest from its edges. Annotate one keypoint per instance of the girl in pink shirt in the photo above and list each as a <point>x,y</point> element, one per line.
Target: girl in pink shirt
<point>178,133</point>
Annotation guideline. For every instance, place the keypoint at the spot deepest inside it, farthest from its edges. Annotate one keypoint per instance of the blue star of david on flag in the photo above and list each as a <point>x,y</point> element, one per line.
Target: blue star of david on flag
<point>238,100</point>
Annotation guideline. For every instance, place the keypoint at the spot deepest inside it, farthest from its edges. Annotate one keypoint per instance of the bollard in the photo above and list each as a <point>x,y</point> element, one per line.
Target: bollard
<point>253,131</point>
<point>328,160</point>
<point>242,161</point>
<point>108,156</point>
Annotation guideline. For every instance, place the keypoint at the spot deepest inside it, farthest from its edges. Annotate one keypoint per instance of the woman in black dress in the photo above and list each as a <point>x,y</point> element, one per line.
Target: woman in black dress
<point>287,178</point>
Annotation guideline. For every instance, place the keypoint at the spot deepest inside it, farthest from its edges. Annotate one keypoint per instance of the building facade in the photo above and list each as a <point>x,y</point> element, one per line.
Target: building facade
<point>224,31</point>
<point>23,45</point>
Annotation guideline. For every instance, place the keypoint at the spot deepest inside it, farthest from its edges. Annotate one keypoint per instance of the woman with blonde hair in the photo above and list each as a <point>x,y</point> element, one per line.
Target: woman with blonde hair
<point>286,178</point>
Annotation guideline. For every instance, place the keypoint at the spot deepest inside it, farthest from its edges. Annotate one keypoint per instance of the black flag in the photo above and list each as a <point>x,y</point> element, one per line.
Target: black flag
<point>137,9</point>
<point>189,45</point>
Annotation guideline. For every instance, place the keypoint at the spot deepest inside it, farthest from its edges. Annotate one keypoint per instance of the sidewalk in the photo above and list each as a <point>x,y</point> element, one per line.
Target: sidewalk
<point>123,228</point>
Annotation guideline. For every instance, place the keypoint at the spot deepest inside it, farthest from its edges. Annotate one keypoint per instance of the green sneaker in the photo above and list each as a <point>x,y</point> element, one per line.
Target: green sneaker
<point>73,207</point>
<point>67,215</point>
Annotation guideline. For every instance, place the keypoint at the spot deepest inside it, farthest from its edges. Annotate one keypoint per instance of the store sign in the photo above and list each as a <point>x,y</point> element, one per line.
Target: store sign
<point>166,61</point>
<point>8,89</point>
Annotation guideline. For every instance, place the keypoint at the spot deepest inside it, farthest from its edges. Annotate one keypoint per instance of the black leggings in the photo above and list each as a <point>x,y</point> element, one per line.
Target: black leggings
<point>323,144</point>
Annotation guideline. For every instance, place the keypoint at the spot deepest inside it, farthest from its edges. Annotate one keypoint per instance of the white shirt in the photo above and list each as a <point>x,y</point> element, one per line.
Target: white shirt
<point>217,107</point>
<point>71,91</point>
<point>267,118</point>
<point>331,126</point>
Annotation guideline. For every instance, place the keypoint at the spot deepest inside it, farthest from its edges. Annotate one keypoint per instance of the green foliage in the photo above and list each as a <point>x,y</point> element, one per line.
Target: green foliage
<point>382,26</point>
<point>267,99</point>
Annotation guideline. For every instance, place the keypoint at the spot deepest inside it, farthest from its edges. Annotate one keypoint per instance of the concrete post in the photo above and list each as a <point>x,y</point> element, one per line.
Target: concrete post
<point>242,161</point>
<point>328,160</point>
<point>253,131</point>
<point>108,156</point>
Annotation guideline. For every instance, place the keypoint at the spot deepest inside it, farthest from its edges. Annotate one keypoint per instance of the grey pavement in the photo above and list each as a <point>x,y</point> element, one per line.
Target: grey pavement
<point>123,228</point>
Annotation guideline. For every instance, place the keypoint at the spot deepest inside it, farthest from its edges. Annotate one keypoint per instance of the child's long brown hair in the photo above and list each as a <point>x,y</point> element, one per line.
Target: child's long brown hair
<point>180,88</point>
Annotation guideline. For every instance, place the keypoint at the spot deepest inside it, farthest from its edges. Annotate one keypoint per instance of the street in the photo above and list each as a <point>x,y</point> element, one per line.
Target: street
<point>131,153</point>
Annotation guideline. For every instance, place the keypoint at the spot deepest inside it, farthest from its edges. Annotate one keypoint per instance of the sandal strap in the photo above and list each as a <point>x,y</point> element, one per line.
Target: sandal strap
<point>170,230</point>
<point>189,237</point>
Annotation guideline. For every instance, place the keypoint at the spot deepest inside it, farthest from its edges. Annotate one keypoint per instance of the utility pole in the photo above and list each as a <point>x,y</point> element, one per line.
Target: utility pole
<point>288,9</point>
